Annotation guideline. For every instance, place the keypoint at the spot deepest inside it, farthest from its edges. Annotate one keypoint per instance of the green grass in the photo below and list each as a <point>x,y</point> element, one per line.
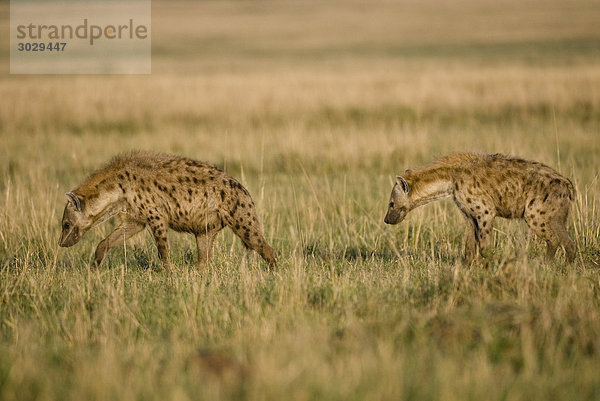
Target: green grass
<point>358,310</point>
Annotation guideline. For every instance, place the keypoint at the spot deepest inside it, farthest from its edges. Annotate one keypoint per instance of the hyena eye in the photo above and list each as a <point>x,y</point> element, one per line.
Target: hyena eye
<point>391,205</point>
<point>66,226</point>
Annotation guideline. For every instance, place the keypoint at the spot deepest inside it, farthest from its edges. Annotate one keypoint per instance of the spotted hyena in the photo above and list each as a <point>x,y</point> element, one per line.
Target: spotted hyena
<point>160,192</point>
<point>486,186</point>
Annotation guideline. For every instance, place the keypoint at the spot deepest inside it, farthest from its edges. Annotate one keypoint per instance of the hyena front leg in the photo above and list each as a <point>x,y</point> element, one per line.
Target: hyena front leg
<point>485,224</point>
<point>470,239</point>
<point>159,231</point>
<point>124,231</point>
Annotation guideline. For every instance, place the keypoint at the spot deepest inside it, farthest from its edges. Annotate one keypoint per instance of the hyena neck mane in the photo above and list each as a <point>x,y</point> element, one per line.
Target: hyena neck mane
<point>101,195</point>
<point>426,189</point>
<point>436,180</point>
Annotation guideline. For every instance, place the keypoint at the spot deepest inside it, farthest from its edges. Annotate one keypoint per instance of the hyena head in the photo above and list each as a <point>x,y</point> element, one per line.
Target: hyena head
<point>74,222</point>
<point>399,203</point>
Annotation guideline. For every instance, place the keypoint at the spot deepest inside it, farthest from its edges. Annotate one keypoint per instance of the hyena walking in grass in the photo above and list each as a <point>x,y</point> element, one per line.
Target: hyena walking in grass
<point>486,186</point>
<point>161,192</point>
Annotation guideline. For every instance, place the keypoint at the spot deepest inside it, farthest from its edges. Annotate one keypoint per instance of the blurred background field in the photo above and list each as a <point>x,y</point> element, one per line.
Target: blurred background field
<point>315,107</point>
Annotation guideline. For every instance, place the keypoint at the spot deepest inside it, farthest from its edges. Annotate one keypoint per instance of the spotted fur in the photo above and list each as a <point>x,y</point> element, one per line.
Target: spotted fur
<point>486,186</point>
<point>163,192</point>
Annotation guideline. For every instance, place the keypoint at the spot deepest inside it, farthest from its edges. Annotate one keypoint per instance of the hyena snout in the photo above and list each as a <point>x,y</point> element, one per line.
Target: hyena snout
<point>395,215</point>
<point>69,237</point>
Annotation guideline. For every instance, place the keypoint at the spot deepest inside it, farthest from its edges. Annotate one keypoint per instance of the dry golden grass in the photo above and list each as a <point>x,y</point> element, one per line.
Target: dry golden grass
<point>315,106</point>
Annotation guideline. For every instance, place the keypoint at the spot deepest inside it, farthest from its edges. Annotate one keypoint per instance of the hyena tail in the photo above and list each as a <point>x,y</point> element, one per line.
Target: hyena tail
<point>243,221</point>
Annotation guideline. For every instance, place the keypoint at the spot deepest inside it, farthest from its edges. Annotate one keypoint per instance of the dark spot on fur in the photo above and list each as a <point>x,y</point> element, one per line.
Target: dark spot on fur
<point>542,212</point>
<point>127,174</point>
<point>195,180</point>
<point>531,202</point>
<point>546,197</point>
<point>121,176</point>
<point>234,208</point>
<point>189,191</point>
<point>222,195</point>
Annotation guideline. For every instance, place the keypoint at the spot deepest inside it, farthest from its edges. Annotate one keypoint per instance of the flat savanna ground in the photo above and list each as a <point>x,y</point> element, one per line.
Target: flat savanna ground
<point>314,107</point>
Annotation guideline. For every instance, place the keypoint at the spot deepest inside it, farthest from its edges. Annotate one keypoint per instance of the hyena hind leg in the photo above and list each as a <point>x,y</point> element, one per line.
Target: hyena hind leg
<point>544,231</point>
<point>553,230</point>
<point>565,240</point>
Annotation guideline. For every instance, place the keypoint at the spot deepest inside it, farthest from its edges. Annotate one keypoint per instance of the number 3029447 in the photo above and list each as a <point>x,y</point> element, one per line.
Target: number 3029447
<point>41,47</point>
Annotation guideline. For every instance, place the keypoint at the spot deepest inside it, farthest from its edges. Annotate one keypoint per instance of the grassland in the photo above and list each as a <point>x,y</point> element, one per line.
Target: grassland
<point>314,107</point>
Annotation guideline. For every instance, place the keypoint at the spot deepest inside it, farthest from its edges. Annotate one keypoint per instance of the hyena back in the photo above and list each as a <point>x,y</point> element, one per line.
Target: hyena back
<point>486,186</point>
<point>160,192</point>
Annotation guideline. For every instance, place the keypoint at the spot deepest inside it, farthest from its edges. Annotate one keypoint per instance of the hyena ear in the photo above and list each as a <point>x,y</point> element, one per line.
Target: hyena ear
<point>75,200</point>
<point>402,182</point>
